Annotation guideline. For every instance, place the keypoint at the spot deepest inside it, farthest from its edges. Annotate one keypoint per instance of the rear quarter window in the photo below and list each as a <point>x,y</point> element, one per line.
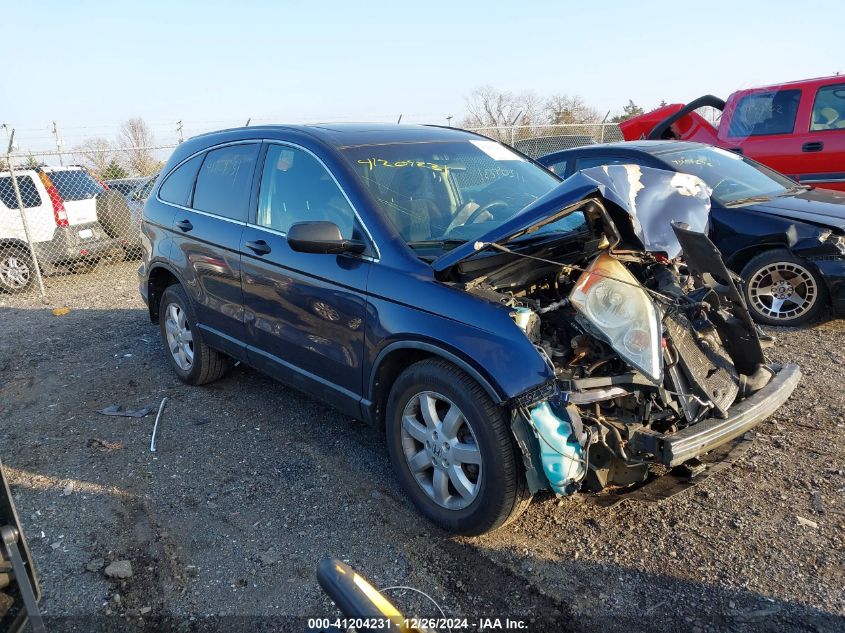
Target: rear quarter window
<point>224,181</point>
<point>178,185</point>
<point>764,113</point>
<point>29,194</point>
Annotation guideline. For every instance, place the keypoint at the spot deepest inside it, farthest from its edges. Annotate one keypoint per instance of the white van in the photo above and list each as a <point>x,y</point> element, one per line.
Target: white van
<point>61,210</point>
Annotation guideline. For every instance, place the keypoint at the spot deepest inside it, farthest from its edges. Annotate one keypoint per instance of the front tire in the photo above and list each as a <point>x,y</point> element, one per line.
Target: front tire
<point>194,362</point>
<point>452,450</point>
<point>782,289</point>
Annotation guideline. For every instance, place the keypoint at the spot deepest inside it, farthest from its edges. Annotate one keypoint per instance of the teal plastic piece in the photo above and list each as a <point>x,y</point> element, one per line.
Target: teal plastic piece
<point>560,451</point>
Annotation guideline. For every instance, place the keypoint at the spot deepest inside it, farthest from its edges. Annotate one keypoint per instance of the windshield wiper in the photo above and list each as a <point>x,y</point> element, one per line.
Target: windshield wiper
<point>796,188</point>
<point>436,243</point>
<point>748,200</point>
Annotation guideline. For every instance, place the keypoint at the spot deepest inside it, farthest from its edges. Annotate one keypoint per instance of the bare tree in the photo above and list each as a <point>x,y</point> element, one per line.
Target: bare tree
<point>136,137</point>
<point>565,109</point>
<point>97,153</point>
<point>491,108</point>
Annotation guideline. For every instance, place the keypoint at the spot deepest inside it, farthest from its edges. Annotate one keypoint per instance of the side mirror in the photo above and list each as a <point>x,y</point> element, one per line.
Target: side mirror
<point>321,237</point>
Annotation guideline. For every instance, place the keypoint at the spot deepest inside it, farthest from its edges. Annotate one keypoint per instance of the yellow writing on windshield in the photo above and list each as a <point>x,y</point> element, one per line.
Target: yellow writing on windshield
<point>372,163</point>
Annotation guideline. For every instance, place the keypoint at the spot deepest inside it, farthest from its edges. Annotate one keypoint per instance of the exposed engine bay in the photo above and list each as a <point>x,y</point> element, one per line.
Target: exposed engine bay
<point>643,344</point>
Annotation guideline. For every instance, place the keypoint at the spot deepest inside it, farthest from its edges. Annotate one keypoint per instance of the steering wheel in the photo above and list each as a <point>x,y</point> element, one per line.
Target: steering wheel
<point>493,204</point>
<point>728,185</point>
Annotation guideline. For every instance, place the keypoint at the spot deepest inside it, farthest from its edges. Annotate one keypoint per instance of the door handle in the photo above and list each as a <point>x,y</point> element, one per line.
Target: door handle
<point>259,247</point>
<point>185,225</point>
<point>814,146</point>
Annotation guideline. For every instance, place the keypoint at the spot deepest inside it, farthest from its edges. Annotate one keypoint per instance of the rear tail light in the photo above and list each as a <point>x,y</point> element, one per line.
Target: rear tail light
<point>59,212</point>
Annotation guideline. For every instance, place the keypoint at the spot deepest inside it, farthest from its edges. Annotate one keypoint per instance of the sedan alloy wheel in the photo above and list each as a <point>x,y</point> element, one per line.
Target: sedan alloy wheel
<point>783,291</point>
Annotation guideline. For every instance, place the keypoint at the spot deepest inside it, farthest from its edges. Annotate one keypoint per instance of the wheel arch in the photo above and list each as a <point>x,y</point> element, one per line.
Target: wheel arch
<point>397,356</point>
<point>160,277</point>
<point>15,242</point>
<point>740,258</point>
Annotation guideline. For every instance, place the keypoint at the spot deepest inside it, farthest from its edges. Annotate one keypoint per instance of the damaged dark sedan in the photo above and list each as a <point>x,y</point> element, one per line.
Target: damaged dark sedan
<point>785,239</point>
<point>510,332</point>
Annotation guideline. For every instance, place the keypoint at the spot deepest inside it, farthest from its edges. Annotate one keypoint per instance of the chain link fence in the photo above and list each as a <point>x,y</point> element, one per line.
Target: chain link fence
<point>539,140</point>
<point>64,215</point>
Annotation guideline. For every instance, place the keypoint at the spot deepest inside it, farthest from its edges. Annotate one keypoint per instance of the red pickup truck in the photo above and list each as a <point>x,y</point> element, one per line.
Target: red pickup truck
<point>796,128</point>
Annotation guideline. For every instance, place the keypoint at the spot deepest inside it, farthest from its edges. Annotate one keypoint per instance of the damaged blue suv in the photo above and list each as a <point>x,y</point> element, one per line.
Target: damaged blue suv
<point>509,331</point>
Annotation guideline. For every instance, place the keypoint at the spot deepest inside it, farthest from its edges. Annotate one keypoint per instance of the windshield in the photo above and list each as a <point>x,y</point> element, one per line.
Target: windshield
<point>733,178</point>
<point>439,194</point>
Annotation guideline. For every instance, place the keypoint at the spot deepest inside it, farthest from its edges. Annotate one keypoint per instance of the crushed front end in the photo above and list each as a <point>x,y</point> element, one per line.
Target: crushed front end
<point>655,357</point>
<point>640,382</point>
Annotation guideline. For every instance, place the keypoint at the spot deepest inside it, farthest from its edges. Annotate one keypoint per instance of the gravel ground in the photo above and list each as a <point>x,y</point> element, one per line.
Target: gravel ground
<point>253,484</point>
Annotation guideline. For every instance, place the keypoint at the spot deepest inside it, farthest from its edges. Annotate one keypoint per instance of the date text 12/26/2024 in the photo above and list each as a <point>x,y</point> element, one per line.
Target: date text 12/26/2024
<point>418,624</point>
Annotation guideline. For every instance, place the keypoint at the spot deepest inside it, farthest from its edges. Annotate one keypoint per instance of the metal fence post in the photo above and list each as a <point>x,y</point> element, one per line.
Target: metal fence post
<point>602,133</point>
<point>28,235</point>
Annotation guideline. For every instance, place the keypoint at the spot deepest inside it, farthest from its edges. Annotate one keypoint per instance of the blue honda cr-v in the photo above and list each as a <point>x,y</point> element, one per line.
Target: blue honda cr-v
<point>510,332</point>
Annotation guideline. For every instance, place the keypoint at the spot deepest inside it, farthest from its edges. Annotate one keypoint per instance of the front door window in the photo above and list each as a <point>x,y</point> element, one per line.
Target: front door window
<point>295,187</point>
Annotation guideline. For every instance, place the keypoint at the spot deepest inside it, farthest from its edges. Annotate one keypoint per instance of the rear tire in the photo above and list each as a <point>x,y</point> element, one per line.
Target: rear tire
<point>782,289</point>
<point>472,500</point>
<point>17,270</point>
<point>194,362</point>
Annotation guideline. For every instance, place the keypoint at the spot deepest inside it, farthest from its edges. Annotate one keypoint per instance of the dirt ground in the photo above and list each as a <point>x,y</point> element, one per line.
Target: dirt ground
<point>253,484</point>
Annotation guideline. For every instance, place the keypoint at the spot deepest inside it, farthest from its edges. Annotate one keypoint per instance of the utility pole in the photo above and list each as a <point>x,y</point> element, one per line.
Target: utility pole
<point>59,142</point>
<point>179,130</point>
<point>449,120</point>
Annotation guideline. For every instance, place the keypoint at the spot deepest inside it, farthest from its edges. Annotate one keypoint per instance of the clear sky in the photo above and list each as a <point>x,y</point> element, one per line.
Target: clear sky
<point>90,65</point>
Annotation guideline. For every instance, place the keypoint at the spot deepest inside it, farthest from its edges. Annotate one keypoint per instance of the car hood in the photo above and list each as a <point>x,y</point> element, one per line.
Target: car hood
<point>643,204</point>
<point>819,206</point>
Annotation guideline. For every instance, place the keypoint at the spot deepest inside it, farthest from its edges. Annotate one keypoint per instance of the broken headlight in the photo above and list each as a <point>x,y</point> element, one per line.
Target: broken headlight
<point>617,309</point>
<point>838,242</point>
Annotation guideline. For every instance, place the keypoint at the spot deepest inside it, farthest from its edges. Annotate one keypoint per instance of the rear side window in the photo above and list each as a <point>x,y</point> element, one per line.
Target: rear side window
<point>224,181</point>
<point>765,113</point>
<point>179,184</point>
<point>598,161</point>
<point>75,184</point>
<point>29,194</point>
<point>829,109</point>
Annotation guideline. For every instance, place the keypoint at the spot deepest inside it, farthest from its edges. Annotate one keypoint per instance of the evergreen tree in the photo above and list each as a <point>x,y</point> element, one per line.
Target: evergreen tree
<point>113,171</point>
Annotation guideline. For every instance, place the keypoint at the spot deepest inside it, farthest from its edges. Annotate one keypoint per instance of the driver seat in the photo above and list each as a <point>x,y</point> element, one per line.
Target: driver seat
<point>413,210</point>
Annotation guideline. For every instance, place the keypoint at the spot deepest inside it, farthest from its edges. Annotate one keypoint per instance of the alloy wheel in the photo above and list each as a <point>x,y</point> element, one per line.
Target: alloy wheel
<point>180,340</point>
<point>783,290</point>
<point>441,450</point>
<point>14,272</point>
